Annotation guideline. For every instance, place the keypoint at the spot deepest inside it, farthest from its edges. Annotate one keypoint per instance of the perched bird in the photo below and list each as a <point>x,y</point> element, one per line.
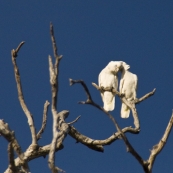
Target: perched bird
<point>128,87</point>
<point>108,79</point>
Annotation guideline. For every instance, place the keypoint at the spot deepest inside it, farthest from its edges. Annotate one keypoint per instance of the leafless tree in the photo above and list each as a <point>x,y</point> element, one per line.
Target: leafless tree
<point>61,128</point>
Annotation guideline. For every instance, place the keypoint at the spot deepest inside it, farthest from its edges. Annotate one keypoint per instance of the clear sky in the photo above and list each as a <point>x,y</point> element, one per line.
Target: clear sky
<point>89,34</point>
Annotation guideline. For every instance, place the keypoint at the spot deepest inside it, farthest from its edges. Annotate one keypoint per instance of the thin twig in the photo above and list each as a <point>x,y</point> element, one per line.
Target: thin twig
<point>145,96</point>
<point>46,105</point>
<point>21,97</point>
<point>134,153</point>
<point>74,121</point>
<point>20,45</point>
<point>84,86</point>
<point>55,49</point>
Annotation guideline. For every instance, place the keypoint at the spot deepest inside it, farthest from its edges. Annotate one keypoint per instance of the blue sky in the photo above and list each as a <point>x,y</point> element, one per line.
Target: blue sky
<point>89,35</point>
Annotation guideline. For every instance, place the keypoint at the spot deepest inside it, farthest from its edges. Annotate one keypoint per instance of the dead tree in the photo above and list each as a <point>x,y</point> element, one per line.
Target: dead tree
<point>61,128</point>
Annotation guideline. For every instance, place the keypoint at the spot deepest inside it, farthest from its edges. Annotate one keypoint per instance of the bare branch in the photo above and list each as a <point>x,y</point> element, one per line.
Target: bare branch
<point>53,82</point>
<point>96,144</point>
<point>53,40</point>
<point>145,96</point>
<point>130,149</point>
<point>131,105</point>
<point>18,48</point>
<point>89,98</point>
<point>58,137</point>
<point>40,152</point>
<point>55,49</point>
<point>46,105</point>
<point>10,137</point>
<point>11,158</point>
<point>96,86</point>
<point>11,154</point>
<point>53,69</point>
<point>74,120</point>
<point>158,147</point>
<point>20,95</point>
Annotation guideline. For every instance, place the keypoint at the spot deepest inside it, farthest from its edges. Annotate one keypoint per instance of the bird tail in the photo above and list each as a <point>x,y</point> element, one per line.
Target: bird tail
<point>125,111</point>
<point>109,101</point>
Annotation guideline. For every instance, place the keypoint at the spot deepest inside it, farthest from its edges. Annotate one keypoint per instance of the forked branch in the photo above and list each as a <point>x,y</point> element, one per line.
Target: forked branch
<point>58,136</point>
<point>13,145</point>
<point>130,148</point>
<point>91,102</point>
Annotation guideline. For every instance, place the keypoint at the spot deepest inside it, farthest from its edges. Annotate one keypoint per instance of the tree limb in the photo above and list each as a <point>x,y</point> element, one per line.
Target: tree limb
<point>21,97</point>
<point>158,147</point>
<point>57,136</point>
<point>10,137</point>
<point>11,166</point>
<point>96,144</point>
<point>74,120</point>
<point>145,96</point>
<point>44,120</point>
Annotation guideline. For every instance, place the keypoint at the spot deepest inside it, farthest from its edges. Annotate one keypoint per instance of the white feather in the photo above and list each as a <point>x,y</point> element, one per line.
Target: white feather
<point>128,86</point>
<point>108,79</point>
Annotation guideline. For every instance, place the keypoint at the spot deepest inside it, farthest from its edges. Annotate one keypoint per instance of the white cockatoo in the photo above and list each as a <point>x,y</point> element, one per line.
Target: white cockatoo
<point>128,87</point>
<point>108,79</point>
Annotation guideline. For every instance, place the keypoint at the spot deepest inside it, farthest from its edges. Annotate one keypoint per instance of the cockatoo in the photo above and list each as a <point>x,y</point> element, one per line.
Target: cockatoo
<point>128,87</point>
<point>108,79</point>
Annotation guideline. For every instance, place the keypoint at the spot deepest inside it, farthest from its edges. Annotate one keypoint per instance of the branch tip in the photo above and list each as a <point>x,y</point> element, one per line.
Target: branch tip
<point>81,102</point>
<point>20,45</point>
<point>74,120</point>
<point>71,81</point>
<point>60,57</point>
<point>95,85</point>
